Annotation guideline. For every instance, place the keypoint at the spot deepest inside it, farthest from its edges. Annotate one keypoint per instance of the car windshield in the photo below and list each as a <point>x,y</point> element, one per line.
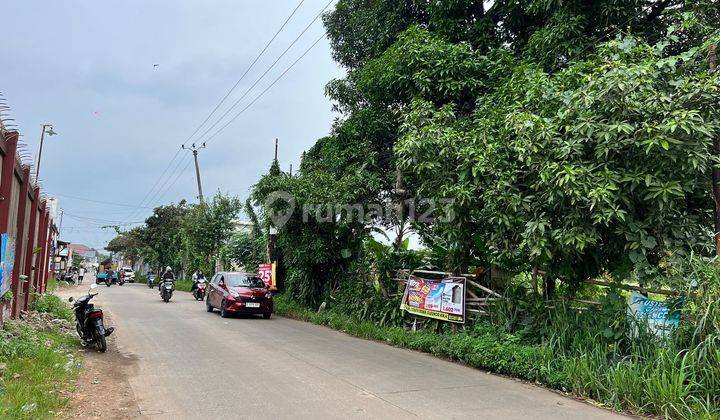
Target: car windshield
<point>242,280</point>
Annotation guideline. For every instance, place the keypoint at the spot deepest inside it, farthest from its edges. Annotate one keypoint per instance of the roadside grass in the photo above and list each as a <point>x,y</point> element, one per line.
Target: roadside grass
<point>183,285</point>
<point>656,379</point>
<point>53,305</point>
<point>38,364</point>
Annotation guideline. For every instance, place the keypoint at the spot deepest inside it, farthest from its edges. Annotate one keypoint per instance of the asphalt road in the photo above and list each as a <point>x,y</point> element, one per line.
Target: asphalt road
<point>190,364</point>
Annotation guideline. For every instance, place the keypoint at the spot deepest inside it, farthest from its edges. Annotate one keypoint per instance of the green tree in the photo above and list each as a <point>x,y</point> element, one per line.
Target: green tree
<point>205,228</point>
<point>162,236</point>
<point>131,244</point>
<point>601,166</point>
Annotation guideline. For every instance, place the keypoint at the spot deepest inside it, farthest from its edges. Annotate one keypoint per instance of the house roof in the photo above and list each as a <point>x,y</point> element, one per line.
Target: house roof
<point>79,248</point>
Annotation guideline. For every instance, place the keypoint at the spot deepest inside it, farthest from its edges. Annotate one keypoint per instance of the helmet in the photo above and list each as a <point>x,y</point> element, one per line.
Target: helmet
<point>168,268</point>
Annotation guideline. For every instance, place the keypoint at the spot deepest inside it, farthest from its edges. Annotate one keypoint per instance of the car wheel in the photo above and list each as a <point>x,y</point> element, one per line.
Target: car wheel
<point>223,310</point>
<point>266,316</point>
<point>208,306</point>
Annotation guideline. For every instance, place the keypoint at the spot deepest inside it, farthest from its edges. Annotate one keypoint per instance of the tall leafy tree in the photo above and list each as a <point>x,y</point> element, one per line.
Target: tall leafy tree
<point>205,228</point>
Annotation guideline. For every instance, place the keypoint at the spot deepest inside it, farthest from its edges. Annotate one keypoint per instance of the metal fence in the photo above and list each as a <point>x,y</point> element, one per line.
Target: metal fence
<point>27,232</point>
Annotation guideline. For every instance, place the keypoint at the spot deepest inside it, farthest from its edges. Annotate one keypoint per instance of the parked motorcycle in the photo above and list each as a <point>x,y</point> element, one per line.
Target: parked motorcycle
<point>151,280</point>
<point>89,321</point>
<point>166,289</point>
<point>68,277</point>
<point>200,287</point>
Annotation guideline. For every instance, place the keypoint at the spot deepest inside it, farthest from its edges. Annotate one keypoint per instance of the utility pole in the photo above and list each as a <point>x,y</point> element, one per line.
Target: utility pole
<point>712,65</point>
<point>42,139</point>
<point>272,230</point>
<point>194,151</point>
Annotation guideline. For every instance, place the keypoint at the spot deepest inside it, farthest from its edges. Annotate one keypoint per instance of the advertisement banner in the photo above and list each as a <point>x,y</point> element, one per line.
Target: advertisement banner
<point>439,299</point>
<point>658,315</point>
<point>266,274</point>
<point>7,261</point>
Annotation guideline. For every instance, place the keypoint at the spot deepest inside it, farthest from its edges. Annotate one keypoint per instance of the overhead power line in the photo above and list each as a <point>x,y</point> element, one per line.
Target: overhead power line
<point>236,116</point>
<point>169,165</point>
<point>266,89</point>
<point>262,76</point>
<point>232,89</point>
<point>110,203</point>
<point>157,181</point>
<point>98,220</point>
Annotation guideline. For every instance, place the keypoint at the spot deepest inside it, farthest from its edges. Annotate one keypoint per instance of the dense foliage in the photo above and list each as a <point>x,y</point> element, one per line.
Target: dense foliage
<point>571,137</point>
<point>185,237</point>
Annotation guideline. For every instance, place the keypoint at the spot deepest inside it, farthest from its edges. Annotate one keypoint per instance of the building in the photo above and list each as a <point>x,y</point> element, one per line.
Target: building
<point>242,226</point>
<point>90,255</point>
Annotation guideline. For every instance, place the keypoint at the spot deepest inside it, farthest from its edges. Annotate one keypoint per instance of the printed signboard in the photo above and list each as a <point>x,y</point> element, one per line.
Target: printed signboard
<point>267,274</point>
<point>439,299</point>
<point>7,261</point>
<point>661,319</point>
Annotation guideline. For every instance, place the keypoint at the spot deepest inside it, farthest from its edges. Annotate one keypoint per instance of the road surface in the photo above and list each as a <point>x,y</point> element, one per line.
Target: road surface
<point>190,364</point>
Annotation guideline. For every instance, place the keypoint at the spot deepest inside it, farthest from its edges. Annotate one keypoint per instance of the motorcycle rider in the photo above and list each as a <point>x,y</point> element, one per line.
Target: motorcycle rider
<point>167,275</point>
<point>196,278</point>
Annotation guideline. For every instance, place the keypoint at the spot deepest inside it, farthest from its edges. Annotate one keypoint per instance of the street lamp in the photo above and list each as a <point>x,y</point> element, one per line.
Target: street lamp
<point>46,129</point>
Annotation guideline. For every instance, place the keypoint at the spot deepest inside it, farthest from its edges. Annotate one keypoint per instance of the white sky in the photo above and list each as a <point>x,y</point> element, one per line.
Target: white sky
<point>87,68</point>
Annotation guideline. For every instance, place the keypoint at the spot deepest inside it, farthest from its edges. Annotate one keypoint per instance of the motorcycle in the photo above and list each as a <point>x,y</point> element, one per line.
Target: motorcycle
<point>166,289</point>
<point>150,280</point>
<point>68,277</point>
<point>89,321</point>
<point>200,287</point>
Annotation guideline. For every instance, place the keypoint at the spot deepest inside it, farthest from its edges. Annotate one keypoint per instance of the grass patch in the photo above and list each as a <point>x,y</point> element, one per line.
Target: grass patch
<point>53,305</point>
<point>39,371</point>
<point>183,285</point>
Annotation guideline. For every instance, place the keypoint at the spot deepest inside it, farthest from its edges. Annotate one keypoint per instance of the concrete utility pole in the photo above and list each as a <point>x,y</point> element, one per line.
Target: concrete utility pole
<point>194,151</point>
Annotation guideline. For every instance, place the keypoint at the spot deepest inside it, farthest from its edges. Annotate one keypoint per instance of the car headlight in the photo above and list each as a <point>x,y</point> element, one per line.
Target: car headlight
<point>234,293</point>
<point>268,295</point>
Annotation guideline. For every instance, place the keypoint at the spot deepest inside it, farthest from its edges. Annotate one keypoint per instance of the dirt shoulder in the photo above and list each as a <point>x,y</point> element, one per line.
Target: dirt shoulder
<point>102,390</point>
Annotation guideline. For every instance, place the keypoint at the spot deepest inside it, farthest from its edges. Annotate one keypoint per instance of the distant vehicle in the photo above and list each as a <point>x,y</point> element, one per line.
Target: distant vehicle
<point>239,293</point>
<point>101,275</point>
<point>129,274</point>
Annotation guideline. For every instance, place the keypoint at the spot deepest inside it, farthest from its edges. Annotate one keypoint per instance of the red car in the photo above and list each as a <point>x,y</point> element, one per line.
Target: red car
<point>239,293</point>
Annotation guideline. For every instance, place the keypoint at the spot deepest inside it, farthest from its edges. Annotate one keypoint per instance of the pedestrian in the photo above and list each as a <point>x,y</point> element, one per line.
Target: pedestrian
<point>81,274</point>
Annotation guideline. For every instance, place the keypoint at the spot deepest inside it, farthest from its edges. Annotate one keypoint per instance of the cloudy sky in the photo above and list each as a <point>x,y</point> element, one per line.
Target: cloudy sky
<point>89,69</point>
